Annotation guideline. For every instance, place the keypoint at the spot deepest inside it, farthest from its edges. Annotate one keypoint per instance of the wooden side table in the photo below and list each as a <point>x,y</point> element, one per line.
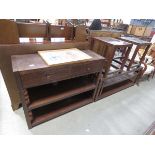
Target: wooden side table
<point>139,44</point>
<point>50,91</point>
<point>119,78</point>
<point>107,47</point>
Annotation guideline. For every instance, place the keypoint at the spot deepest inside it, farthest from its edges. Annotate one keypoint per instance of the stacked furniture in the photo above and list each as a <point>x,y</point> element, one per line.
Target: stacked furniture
<point>21,38</point>
<point>115,75</point>
<point>45,91</point>
<point>6,51</point>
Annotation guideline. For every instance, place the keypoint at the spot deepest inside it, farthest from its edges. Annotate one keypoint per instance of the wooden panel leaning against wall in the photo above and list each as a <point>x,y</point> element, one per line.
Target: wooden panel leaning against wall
<point>8,32</point>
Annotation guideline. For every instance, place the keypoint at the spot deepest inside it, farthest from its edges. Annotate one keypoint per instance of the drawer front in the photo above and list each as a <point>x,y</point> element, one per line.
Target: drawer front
<point>49,75</point>
<point>88,68</point>
<point>43,76</point>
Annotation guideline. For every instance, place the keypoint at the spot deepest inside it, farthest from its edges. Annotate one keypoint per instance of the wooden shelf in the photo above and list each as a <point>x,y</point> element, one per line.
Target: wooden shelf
<point>48,112</point>
<point>119,78</point>
<point>135,64</point>
<point>107,91</point>
<point>47,94</point>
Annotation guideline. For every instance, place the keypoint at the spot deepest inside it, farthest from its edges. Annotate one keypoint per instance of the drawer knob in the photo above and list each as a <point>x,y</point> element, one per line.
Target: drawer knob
<point>88,69</point>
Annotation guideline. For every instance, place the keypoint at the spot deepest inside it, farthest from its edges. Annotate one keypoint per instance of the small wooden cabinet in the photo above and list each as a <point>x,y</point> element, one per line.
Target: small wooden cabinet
<point>50,91</point>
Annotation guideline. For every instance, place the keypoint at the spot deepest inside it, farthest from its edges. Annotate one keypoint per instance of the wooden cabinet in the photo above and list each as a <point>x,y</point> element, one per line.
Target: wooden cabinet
<point>50,91</point>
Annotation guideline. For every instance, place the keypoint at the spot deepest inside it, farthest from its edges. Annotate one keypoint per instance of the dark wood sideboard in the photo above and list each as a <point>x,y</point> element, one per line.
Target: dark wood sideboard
<point>50,91</point>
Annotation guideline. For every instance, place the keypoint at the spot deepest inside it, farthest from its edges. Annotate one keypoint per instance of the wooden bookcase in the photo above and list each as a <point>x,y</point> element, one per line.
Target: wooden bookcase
<point>50,91</point>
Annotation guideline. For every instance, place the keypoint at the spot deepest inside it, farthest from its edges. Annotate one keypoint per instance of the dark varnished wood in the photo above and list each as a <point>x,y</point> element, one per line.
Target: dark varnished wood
<point>27,48</point>
<point>117,82</point>
<point>50,91</point>
<point>59,91</point>
<point>119,79</point>
<point>32,66</point>
<point>121,86</point>
<point>107,46</point>
<point>140,43</point>
<point>50,113</point>
<point>23,62</point>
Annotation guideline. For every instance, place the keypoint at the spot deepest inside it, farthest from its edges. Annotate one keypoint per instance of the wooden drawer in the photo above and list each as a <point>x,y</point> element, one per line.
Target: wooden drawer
<point>88,68</point>
<point>48,75</point>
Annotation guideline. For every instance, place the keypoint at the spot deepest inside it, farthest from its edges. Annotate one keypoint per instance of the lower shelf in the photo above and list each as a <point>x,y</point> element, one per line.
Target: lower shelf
<point>119,78</point>
<point>107,91</point>
<point>50,93</point>
<point>48,112</point>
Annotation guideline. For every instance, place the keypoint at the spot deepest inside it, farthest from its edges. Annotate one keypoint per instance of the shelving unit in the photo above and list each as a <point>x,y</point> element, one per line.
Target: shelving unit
<point>51,100</point>
<point>61,107</point>
<point>50,91</point>
<point>111,85</point>
<point>112,89</point>
<point>117,75</point>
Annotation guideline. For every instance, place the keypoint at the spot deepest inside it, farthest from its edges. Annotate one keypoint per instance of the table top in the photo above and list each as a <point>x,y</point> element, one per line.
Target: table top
<point>135,40</point>
<point>108,30</point>
<point>113,41</point>
<point>34,61</point>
